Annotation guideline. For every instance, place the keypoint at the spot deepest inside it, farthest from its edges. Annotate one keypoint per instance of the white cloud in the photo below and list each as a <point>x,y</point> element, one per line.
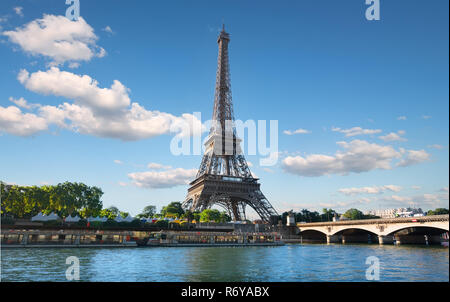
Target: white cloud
<point>82,89</point>
<point>119,162</point>
<point>436,146</point>
<point>156,166</point>
<point>434,200</point>
<point>402,118</point>
<point>13,121</point>
<point>416,187</point>
<point>358,156</point>
<point>74,65</point>
<point>18,10</point>
<point>298,131</point>
<point>57,38</point>
<point>108,29</point>
<point>426,117</point>
<point>401,198</point>
<point>134,123</point>
<point>356,131</point>
<point>414,157</point>
<point>22,103</point>
<point>102,112</point>
<point>391,137</point>
<point>163,179</point>
<point>370,190</point>
<point>335,205</point>
<point>430,201</point>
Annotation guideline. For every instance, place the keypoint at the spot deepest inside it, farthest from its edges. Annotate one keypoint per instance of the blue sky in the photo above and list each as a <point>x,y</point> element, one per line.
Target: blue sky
<point>313,65</point>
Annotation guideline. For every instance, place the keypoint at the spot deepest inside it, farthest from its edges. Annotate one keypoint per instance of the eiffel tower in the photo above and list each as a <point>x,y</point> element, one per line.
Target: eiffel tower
<point>224,178</point>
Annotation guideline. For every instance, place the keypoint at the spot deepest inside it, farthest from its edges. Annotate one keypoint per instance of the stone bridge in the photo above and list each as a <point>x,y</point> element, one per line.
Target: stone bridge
<point>426,229</point>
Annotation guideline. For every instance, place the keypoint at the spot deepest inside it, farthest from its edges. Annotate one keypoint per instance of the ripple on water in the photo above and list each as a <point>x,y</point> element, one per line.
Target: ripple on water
<point>291,262</point>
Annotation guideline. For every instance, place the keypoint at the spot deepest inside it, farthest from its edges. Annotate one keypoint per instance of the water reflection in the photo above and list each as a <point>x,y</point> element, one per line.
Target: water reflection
<point>314,262</point>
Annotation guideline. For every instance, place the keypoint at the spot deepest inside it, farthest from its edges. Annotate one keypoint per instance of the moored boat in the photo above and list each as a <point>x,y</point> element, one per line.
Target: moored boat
<point>173,239</point>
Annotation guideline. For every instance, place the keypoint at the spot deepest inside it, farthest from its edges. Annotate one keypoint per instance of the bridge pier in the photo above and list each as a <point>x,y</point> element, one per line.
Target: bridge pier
<point>332,239</point>
<point>385,239</point>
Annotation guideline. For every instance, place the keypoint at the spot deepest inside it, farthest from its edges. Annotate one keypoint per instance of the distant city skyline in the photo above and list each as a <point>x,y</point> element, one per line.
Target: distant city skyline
<point>362,106</point>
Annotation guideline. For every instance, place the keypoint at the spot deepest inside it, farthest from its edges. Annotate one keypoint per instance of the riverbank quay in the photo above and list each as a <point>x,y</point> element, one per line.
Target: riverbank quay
<point>72,236</point>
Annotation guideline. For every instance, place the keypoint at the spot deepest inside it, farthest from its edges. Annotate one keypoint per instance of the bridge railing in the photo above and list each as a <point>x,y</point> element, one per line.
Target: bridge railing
<point>379,221</point>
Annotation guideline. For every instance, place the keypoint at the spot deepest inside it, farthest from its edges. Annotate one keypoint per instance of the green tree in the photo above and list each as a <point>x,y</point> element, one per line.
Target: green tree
<point>63,199</point>
<point>172,209</point>
<point>108,213</point>
<point>328,214</point>
<point>196,216</point>
<point>93,203</point>
<point>224,217</point>
<point>188,215</point>
<point>438,211</point>
<point>354,214</point>
<point>124,214</point>
<point>209,215</point>
<point>114,210</point>
<point>147,212</point>
<point>13,202</point>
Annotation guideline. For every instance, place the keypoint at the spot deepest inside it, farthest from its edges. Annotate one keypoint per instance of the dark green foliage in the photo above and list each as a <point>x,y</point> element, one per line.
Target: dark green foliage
<point>214,215</point>
<point>82,222</point>
<point>7,220</point>
<point>123,224</point>
<point>110,223</point>
<point>148,212</point>
<point>173,209</point>
<point>354,214</point>
<point>52,223</point>
<point>162,223</point>
<point>63,199</point>
<point>96,224</point>
<point>135,223</point>
<point>438,211</point>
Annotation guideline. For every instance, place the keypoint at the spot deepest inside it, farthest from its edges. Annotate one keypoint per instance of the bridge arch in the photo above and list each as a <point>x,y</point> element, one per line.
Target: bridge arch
<point>355,234</point>
<point>418,226</point>
<point>369,228</point>
<point>316,229</point>
<point>313,236</point>
<point>358,229</point>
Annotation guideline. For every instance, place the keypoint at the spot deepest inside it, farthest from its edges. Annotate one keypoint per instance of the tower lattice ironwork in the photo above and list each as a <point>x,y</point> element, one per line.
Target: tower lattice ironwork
<point>224,178</point>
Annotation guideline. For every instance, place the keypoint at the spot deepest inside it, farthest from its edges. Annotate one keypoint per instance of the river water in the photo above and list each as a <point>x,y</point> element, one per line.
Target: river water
<point>292,262</point>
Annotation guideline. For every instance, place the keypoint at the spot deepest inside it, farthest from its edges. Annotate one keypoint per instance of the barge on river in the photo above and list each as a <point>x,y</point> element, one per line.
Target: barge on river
<point>15,238</point>
<point>211,239</point>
